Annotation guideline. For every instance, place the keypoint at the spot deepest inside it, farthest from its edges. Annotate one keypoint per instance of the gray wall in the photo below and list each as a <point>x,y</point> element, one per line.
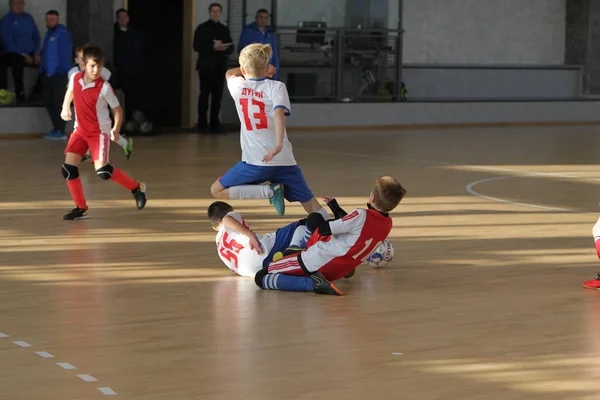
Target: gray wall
<point>484,31</point>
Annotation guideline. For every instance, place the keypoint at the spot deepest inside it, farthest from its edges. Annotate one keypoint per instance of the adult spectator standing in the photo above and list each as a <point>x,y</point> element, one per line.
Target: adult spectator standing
<point>128,62</point>
<point>212,42</point>
<point>259,31</point>
<point>54,69</point>
<point>20,46</point>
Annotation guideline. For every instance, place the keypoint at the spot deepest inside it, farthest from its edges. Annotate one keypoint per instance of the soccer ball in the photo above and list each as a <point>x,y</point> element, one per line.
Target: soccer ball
<point>382,255</point>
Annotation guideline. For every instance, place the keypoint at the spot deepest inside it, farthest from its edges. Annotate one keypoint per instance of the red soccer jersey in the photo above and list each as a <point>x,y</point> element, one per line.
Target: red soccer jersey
<point>354,237</point>
<point>91,112</point>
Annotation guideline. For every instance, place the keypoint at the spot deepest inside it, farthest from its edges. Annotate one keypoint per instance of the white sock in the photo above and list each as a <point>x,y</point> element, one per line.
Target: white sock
<point>298,238</point>
<point>250,192</point>
<point>122,141</point>
<point>324,213</point>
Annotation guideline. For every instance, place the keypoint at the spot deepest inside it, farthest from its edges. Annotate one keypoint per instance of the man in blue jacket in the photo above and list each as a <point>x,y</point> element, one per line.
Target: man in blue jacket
<point>54,69</point>
<point>20,45</point>
<point>260,32</point>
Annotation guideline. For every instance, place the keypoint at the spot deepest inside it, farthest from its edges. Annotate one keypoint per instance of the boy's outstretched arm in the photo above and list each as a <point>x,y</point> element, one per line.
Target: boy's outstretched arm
<point>233,72</point>
<point>279,118</point>
<point>235,225</point>
<point>338,212</point>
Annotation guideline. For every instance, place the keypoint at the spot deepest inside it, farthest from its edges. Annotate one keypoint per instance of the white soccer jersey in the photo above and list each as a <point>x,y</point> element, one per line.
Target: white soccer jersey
<point>256,101</point>
<point>104,74</point>
<point>234,249</point>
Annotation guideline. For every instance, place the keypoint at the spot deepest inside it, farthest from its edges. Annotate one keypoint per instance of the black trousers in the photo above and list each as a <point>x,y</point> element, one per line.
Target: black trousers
<point>211,85</point>
<point>131,85</point>
<point>17,63</point>
<point>54,88</point>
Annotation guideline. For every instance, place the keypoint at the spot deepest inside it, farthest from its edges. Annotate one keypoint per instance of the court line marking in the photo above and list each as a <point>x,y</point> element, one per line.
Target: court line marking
<point>107,391</point>
<point>447,164</point>
<point>84,377</point>
<point>469,187</point>
<point>87,378</point>
<point>66,365</point>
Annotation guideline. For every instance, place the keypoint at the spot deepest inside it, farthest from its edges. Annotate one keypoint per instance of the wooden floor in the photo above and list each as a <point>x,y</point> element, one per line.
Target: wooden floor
<point>483,299</point>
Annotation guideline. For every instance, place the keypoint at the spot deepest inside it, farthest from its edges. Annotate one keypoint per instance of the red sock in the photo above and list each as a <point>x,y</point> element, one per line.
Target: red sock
<point>76,189</point>
<point>597,243</point>
<point>122,179</point>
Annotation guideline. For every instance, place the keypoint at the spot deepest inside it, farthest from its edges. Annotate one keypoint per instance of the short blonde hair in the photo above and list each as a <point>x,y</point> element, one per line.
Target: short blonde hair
<point>387,193</point>
<point>255,58</point>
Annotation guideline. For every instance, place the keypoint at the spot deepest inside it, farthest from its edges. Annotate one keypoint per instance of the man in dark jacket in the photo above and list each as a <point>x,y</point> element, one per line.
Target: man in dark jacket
<point>54,67</point>
<point>259,31</point>
<point>212,42</point>
<point>20,46</point>
<point>128,59</point>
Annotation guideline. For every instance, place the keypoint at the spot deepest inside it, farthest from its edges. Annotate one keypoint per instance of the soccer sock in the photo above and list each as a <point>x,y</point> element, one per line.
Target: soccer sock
<point>287,282</point>
<point>298,237</point>
<point>122,141</point>
<point>76,189</point>
<point>324,213</point>
<point>123,179</point>
<point>307,234</point>
<point>596,233</point>
<point>250,192</point>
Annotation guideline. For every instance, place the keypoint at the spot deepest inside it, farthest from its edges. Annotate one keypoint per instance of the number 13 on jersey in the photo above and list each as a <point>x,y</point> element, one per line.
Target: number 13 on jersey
<point>255,117</point>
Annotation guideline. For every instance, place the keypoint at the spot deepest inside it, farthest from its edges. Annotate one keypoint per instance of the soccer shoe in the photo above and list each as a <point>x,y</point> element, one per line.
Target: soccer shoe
<point>277,199</point>
<point>350,274</point>
<point>323,286</point>
<point>139,194</point>
<point>76,213</point>
<point>290,250</point>
<point>129,148</point>
<point>593,284</point>
<point>86,157</point>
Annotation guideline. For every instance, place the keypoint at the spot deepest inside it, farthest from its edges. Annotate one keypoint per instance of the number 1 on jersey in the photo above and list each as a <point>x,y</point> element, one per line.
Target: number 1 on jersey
<point>260,117</point>
<point>368,249</point>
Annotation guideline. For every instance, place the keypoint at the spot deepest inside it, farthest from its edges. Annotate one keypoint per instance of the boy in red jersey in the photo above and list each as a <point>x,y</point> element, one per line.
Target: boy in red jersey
<point>91,95</point>
<point>336,246</point>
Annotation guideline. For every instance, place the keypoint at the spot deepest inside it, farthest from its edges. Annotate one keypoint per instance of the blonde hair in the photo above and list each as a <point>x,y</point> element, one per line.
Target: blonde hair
<point>255,58</point>
<point>387,193</point>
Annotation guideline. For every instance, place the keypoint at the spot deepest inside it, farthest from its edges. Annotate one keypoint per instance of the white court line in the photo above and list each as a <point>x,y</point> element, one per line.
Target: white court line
<point>470,186</point>
<point>87,378</point>
<point>22,344</point>
<point>44,354</point>
<point>66,365</point>
<point>448,164</point>
<point>107,391</point>
<point>3,334</point>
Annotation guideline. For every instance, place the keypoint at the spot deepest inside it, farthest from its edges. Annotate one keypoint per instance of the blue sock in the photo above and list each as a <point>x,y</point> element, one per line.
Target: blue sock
<point>287,282</point>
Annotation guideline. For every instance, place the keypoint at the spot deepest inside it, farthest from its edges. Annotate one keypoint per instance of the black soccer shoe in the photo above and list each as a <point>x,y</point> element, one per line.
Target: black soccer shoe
<point>323,286</point>
<point>76,213</point>
<point>139,194</point>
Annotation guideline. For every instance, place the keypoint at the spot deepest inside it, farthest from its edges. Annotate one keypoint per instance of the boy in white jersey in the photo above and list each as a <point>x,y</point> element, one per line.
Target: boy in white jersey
<point>243,251</point>
<point>125,143</point>
<point>262,105</point>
